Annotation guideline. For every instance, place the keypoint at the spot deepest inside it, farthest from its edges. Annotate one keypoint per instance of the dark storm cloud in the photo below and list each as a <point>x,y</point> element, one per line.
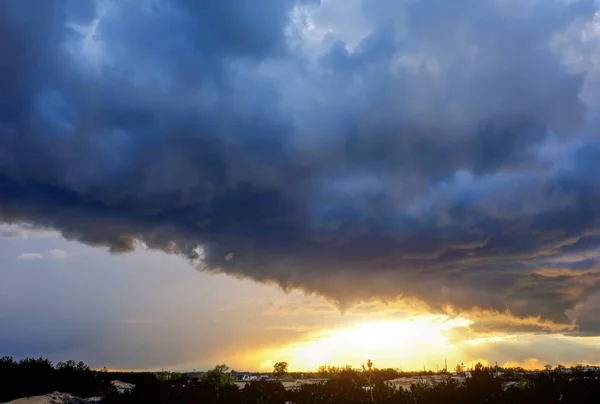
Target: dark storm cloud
<point>448,156</point>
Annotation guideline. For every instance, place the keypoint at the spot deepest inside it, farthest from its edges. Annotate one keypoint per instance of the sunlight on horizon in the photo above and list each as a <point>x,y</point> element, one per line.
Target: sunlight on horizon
<point>391,343</point>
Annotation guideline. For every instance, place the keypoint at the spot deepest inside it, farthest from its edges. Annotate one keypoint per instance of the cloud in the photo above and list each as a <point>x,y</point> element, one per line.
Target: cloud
<point>57,254</point>
<point>30,257</point>
<point>13,233</point>
<point>441,153</point>
<point>25,231</point>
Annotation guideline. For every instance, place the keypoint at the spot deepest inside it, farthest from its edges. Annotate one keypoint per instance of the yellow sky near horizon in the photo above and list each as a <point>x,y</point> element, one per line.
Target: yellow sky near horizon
<point>406,342</point>
<point>402,335</point>
<point>388,343</point>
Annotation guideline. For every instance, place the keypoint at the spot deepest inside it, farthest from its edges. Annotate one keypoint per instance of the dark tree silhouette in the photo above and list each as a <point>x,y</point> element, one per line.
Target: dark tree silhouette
<point>36,376</point>
<point>280,369</point>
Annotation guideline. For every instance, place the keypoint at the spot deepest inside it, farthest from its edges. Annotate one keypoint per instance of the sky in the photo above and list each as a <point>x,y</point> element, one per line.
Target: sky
<point>188,183</point>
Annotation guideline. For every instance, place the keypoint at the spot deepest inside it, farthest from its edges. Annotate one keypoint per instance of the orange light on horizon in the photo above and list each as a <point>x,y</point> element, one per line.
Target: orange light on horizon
<point>388,343</point>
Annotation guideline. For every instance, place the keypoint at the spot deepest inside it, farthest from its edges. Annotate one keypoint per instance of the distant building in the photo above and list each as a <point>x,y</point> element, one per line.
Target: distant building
<point>242,377</point>
<point>193,375</point>
<point>247,377</point>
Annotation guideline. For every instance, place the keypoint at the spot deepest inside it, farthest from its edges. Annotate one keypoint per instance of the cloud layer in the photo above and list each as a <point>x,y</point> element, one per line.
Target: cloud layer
<point>442,152</point>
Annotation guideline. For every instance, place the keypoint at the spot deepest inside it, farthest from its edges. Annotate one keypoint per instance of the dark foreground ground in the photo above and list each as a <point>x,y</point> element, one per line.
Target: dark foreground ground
<point>33,381</point>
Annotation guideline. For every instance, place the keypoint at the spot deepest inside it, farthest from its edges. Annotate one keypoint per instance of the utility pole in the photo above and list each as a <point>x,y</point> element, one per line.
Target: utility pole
<point>445,365</point>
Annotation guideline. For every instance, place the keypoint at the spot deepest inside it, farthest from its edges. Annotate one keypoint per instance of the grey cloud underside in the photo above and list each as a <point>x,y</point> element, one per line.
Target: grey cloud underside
<point>448,157</point>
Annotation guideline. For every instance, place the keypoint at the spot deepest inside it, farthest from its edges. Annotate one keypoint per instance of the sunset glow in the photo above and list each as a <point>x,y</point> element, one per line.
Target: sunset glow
<point>390,343</point>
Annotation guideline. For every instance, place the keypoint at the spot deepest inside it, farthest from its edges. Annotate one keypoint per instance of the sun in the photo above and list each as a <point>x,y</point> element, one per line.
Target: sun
<point>387,343</point>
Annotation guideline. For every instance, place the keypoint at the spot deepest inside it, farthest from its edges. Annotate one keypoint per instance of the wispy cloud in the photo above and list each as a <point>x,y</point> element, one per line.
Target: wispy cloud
<point>57,254</point>
<point>52,254</point>
<point>30,257</point>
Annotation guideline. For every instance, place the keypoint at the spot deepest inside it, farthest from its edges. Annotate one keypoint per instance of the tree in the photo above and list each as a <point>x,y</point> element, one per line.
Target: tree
<point>577,368</point>
<point>330,371</point>
<point>163,376</point>
<point>479,368</point>
<point>280,369</point>
<point>458,369</point>
<point>482,385</point>
<point>9,379</point>
<point>69,365</point>
<point>264,391</point>
<point>218,378</point>
<point>369,372</point>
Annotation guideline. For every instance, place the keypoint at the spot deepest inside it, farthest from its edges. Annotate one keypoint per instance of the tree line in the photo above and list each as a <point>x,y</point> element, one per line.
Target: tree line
<point>39,376</point>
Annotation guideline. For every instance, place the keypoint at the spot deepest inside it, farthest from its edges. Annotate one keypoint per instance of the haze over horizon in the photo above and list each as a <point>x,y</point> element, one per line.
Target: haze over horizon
<point>402,180</point>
